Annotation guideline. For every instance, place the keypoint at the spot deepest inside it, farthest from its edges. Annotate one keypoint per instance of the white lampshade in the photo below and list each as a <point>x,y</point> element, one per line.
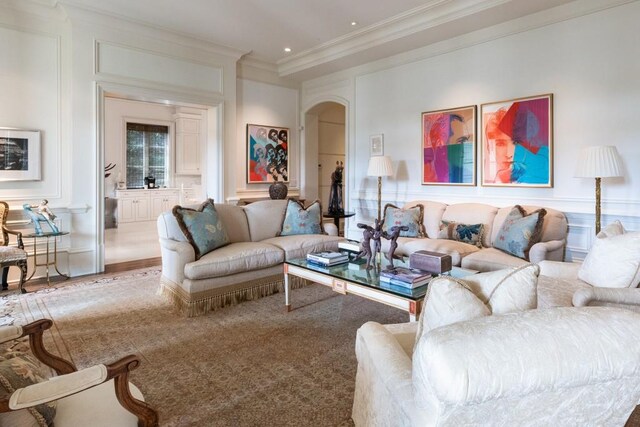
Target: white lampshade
<point>380,166</point>
<point>598,162</point>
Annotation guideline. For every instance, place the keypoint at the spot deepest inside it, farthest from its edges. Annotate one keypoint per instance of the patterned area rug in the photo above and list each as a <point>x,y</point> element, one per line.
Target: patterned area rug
<point>248,365</point>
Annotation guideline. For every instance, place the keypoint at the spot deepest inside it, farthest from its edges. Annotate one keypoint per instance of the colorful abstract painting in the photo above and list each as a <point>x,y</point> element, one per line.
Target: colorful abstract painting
<point>517,142</point>
<point>267,154</point>
<point>449,147</point>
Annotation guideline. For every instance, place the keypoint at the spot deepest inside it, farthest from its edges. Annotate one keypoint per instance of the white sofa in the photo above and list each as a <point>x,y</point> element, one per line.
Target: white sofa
<point>550,247</point>
<point>251,266</point>
<point>559,366</point>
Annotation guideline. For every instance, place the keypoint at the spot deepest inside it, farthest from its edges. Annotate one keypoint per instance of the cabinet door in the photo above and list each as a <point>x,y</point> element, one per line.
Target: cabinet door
<point>188,154</point>
<point>157,206</point>
<point>126,210</point>
<point>142,209</point>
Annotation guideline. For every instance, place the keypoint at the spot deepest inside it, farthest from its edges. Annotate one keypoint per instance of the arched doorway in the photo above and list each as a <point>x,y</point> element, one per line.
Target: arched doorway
<point>325,144</point>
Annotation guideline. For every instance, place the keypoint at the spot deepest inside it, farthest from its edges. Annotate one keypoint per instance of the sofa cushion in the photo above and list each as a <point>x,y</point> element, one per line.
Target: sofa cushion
<point>450,300</point>
<point>614,229</point>
<point>613,262</point>
<point>265,218</point>
<point>300,245</point>
<point>18,370</point>
<point>467,233</point>
<point>558,292</point>
<point>301,220</point>
<point>411,217</point>
<point>489,259</point>
<point>520,231</point>
<point>202,227</point>
<point>235,222</point>
<point>457,250</point>
<point>234,258</point>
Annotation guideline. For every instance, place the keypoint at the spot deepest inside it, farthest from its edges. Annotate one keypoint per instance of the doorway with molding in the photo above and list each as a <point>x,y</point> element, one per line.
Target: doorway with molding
<point>325,140</point>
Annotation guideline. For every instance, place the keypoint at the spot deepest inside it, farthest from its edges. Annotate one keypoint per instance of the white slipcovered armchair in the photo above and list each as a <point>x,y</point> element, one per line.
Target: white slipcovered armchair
<point>97,396</point>
<point>559,366</point>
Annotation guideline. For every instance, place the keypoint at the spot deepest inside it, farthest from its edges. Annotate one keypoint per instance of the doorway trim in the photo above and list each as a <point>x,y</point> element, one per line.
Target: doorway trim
<point>350,176</point>
<point>212,150</point>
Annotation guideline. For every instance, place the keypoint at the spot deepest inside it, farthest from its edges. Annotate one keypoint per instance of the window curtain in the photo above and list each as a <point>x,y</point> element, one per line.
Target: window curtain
<point>147,154</point>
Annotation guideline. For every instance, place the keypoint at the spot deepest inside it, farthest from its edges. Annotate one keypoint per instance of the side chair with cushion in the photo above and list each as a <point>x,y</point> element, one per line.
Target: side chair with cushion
<point>97,396</point>
<point>11,255</point>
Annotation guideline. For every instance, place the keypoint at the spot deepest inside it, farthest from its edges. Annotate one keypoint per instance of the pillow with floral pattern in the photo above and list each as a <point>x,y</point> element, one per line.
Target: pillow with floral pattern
<point>301,220</point>
<point>520,231</point>
<point>202,227</point>
<point>411,217</point>
<point>466,233</point>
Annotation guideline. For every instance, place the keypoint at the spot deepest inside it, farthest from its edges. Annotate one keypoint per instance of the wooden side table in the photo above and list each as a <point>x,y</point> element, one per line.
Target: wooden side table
<point>337,218</point>
<point>49,262</point>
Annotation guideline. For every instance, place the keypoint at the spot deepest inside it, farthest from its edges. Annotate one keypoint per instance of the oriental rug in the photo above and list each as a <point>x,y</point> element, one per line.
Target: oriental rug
<point>251,364</point>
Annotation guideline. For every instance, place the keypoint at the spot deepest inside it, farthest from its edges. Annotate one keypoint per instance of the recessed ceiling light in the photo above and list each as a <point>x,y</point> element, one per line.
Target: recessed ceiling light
<point>287,49</point>
<point>354,23</point>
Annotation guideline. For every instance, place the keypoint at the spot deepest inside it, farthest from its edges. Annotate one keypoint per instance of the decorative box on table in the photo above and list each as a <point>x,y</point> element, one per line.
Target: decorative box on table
<point>434,262</point>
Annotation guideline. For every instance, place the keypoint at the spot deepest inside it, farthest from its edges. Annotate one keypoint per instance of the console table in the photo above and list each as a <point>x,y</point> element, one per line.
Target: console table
<point>337,217</point>
<point>49,261</point>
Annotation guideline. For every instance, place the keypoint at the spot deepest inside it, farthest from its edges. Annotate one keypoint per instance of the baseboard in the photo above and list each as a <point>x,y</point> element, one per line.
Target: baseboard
<point>132,265</point>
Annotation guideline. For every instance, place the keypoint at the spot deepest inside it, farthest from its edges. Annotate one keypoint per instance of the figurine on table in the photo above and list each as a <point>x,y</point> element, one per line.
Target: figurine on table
<point>365,245</point>
<point>41,213</point>
<point>393,245</point>
<point>335,193</point>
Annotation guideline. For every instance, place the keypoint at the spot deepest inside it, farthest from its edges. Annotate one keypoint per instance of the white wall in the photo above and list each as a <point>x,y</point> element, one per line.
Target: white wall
<point>331,141</point>
<point>63,60</point>
<point>270,105</point>
<point>588,62</point>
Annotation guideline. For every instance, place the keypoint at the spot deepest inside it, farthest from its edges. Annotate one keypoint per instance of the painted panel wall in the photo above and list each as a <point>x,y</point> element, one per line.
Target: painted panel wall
<point>588,63</point>
<point>263,104</point>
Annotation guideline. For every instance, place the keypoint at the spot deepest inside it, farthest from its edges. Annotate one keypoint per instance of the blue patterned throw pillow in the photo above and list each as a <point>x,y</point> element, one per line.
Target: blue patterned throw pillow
<point>411,217</point>
<point>520,231</point>
<point>298,220</point>
<point>467,233</point>
<point>202,227</point>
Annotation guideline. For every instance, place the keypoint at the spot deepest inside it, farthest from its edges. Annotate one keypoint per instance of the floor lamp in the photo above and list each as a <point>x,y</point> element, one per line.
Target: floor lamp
<point>598,162</point>
<point>380,166</point>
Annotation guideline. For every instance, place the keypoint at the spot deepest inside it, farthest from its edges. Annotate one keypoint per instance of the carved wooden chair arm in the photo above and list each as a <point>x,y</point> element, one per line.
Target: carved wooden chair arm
<point>18,235</point>
<point>76,382</point>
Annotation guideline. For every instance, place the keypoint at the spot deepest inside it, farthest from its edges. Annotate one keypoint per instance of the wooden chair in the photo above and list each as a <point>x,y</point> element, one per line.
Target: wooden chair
<point>97,396</point>
<point>11,255</point>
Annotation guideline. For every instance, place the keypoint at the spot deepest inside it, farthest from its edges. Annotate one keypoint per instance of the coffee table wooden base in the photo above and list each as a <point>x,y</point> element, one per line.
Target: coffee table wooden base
<point>345,287</point>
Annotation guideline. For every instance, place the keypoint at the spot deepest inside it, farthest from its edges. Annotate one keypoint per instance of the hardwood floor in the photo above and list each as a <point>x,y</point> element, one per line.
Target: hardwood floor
<point>132,265</point>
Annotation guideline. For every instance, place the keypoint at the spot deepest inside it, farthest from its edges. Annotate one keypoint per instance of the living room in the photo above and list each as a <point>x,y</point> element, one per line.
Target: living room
<point>64,61</point>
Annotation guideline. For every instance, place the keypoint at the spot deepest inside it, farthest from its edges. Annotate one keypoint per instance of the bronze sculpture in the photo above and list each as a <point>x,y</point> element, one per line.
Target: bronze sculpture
<point>335,193</point>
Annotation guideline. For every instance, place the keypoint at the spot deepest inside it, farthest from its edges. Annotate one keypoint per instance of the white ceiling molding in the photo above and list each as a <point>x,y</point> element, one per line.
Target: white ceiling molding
<point>94,17</point>
<point>540,19</point>
<point>419,19</point>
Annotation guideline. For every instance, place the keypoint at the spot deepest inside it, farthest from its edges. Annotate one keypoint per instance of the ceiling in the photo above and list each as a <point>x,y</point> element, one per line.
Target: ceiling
<point>319,32</point>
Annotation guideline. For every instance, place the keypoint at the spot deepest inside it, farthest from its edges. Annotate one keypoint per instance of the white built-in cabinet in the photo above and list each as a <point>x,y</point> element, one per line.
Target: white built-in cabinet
<point>188,137</point>
<point>145,205</point>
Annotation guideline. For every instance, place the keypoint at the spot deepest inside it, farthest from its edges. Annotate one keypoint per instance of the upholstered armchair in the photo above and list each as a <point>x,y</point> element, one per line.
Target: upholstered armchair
<point>557,366</point>
<point>97,396</point>
<point>11,255</point>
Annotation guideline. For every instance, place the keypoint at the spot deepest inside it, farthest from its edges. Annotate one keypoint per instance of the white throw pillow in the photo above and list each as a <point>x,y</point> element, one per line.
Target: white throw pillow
<point>450,300</point>
<point>613,229</point>
<point>613,262</point>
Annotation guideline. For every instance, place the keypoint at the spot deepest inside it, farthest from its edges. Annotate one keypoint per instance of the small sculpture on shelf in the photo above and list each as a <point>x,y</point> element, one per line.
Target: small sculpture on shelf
<point>335,193</point>
<point>393,245</point>
<point>42,213</point>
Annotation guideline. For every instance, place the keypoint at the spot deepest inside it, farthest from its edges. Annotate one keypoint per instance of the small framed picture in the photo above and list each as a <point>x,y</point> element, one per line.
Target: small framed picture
<point>377,145</point>
<point>19,155</point>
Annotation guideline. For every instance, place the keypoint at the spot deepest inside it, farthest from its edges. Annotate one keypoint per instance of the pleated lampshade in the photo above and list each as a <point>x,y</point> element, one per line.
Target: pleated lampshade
<point>598,162</point>
<point>380,166</point>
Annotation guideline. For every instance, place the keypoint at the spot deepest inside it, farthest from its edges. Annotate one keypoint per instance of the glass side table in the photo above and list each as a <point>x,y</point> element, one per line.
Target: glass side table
<point>48,255</point>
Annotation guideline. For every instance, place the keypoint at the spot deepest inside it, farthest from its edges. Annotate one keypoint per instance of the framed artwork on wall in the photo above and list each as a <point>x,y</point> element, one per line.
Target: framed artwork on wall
<point>267,154</point>
<point>377,145</point>
<point>517,142</point>
<point>19,155</point>
<point>449,146</point>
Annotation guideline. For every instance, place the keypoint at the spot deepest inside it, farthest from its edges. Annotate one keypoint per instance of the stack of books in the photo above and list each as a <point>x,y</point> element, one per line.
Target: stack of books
<point>405,277</point>
<point>327,259</point>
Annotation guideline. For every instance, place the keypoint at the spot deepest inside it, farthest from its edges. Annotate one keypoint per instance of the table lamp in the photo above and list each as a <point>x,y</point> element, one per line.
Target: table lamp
<point>598,162</point>
<point>380,166</point>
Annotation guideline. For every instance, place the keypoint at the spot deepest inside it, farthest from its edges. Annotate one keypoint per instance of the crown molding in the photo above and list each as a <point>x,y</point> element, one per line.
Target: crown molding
<point>419,19</point>
<point>45,9</point>
<point>250,68</point>
<point>93,17</point>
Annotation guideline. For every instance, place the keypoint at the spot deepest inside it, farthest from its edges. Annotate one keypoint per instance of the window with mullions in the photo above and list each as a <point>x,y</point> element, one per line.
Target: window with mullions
<point>147,154</point>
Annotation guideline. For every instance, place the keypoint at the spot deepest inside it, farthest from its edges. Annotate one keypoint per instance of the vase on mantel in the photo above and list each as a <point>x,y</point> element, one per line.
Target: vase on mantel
<point>278,190</point>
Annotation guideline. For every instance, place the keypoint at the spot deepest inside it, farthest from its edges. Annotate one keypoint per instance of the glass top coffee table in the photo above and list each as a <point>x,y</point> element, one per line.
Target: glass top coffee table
<point>362,282</point>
